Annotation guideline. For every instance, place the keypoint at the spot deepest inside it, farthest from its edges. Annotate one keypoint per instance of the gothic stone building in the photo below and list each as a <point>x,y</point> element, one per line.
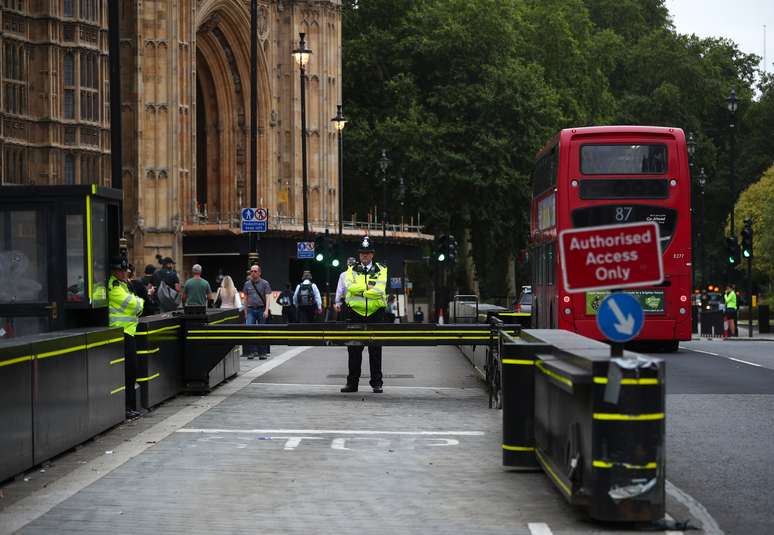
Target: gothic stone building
<point>185,97</point>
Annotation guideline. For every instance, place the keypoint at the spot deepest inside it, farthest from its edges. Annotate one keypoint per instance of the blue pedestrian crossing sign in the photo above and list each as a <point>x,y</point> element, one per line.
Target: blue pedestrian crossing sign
<point>304,249</point>
<point>255,219</point>
<point>620,317</point>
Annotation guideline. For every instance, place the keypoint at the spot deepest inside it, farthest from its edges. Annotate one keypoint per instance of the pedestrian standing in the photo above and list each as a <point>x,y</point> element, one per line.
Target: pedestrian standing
<point>366,298</point>
<point>151,304</point>
<point>167,285</point>
<point>228,296</point>
<point>196,290</point>
<point>307,299</point>
<point>139,289</point>
<point>257,293</point>
<point>124,311</point>
<point>730,315</point>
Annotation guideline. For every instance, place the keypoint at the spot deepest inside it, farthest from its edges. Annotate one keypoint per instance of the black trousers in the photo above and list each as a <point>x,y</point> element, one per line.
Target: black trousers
<point>306,314</point>
<point>130,371</point>
<point>374,353</point>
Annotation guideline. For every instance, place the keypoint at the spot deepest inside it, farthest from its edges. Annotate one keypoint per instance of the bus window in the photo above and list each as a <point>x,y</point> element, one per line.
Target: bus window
<point>623,159</point>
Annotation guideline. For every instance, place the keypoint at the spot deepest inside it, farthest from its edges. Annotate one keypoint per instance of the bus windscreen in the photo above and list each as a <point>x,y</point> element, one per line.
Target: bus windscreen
<point>623,159</point>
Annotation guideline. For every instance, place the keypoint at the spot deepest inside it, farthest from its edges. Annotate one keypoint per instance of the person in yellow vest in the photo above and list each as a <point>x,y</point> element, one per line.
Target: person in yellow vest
<point>730,315</point>
<point>366,287</point>
<point>124,311</point>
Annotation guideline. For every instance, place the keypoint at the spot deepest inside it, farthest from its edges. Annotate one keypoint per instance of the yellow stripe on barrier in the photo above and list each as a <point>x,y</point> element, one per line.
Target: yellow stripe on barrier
<point>117,390</point>
<point>144,379</point>
<point>517,448</point>
<point>154,331</point>
<point>16,360</point>
<point>605,464</point>
<point>383,338</point>
<point>323,332</point>
<point>225,319</point>
<point>629,417</point>
<point>556,376</point>
<point>116,361</point>
<point>547,468</point>
<point>516,314</point>
<point>519,361</point>
<point>148,351</point>
<point>630,382</point>
<point>104,342</point>
<point>60,352</point>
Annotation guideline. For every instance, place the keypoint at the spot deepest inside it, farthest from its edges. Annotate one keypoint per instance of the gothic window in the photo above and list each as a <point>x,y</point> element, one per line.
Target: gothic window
<point>68,10</point>
<point>89,10</point>
<point>14,165</point>
<point>89,85</point>
<point>69,85</point>
<point>69,169</point>
<point>16,5</point>
<point>14,83</point>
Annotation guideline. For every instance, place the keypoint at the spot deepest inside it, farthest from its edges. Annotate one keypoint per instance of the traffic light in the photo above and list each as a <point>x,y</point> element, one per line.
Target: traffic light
<point>732,250</point>
<point>335,255</point>
<point>747,239</point>
<point>441,248</point>
<point>451,248</point>
<point>320,248</point>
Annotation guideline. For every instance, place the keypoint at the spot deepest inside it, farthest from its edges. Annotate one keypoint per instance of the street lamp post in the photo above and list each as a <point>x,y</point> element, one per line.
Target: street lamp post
<point>302,55</point>
<point>384,163</point>
<point>340,122</point>
<point>691,144</point>
<point>702,183</point>
<point>733,104</point>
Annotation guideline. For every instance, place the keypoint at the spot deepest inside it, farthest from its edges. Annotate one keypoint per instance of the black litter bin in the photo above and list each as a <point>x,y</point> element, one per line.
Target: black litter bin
<point>763,319</point>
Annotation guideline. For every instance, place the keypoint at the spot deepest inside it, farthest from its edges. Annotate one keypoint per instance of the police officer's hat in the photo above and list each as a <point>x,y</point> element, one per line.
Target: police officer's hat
<point>119,263</point>
<point>366,245</point>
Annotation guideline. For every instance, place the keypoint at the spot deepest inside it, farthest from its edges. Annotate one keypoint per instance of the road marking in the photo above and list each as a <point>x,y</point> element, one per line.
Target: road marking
<point>21,513</point>
<point>338,386</point>
<point>724,357</point>
<point>698,511</point>
<point>269,432</point>
<point>539,528</point>
<point>744,362</point>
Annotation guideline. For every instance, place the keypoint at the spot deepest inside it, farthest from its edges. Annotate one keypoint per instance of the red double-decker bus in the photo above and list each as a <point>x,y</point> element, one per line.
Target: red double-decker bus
<point>610,175</point>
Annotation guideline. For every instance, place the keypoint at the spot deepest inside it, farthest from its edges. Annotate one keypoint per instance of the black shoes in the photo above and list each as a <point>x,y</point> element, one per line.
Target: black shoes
<point>131,414</point>
<point>377,389</point>
<point>349,388</point>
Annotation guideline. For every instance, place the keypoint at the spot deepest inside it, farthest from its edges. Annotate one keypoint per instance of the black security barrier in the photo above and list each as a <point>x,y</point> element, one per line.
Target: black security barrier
<point>598,422</point>
<point>159,358</point>
<point>711,322</point>
<point>57,390</point>
<point>517,362</point>
<point>207,365</point>
<point>764,326</point>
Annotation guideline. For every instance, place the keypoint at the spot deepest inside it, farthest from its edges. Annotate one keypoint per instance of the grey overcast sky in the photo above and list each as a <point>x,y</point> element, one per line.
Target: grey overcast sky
<point>739,20</point>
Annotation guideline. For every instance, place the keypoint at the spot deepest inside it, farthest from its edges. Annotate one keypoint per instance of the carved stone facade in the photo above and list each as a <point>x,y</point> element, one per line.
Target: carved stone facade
<point>54,106</point>
<point>185,88</point>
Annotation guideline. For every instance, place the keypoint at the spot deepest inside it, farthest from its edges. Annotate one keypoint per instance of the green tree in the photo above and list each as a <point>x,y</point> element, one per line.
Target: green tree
<point>757,202</point>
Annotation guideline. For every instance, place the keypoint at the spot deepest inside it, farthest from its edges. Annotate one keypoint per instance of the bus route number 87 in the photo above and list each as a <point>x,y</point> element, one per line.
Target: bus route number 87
<point>623,213</point>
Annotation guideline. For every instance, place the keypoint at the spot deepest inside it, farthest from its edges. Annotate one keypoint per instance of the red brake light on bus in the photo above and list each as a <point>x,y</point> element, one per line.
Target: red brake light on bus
<point>566,299</point>
<point>683,298</point>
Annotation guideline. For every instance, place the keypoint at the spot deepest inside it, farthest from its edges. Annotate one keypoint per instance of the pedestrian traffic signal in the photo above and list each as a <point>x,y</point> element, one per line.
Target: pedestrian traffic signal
<point>732,250</point>
<point>335,255</point>
<point>445,248</point>
<point>451,249</point>
<point>747,238</point>
<point>320,248</point>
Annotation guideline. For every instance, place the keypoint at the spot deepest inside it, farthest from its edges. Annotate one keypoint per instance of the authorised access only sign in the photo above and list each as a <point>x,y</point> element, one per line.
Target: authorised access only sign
<point>611,257</point>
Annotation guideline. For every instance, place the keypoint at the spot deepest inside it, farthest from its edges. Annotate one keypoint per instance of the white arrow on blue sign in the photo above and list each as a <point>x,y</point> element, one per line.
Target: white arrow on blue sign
<point>620,317</point>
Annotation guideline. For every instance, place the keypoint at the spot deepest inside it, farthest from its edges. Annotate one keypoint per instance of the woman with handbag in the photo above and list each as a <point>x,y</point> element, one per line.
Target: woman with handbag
<point>227,295</point>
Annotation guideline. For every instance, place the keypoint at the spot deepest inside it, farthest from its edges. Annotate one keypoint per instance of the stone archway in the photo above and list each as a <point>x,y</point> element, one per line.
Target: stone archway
<point>223,111</point>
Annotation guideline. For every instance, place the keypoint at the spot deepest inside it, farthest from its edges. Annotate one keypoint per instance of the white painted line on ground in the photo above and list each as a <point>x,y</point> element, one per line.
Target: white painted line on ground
<point>725,357</point>
<point>699,351</point>
<point>698,511</point>
<point>365,388</point>
<point>745,362</point>
<point>21,513</point>
<point>539,528</point>
<point>331,432</point>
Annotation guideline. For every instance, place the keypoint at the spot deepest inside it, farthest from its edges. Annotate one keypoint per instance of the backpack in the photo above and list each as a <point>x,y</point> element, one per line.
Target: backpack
<point>169,298</point>
<point>305,295</point>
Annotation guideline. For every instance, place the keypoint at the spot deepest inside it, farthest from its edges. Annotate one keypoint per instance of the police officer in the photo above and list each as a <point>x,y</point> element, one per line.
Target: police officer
<point>366,300</point>
<point>124,310</point>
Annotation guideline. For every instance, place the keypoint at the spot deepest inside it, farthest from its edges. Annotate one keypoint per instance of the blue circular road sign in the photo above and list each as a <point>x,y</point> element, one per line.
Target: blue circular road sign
<point>248,214</point>
<point>620,317</point>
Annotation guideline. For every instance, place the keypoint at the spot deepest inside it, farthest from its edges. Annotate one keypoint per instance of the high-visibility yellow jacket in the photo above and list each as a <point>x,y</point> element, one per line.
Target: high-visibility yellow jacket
<point>730,299</point>
<point>366,293</point>
<point>124,307</point>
